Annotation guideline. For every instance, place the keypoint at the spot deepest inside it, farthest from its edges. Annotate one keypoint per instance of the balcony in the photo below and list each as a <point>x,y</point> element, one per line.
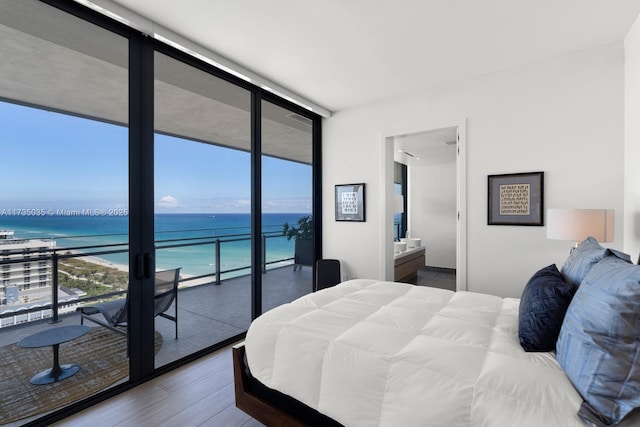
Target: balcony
<point>105,283</point>
<point>228,308</point>
<point>211,307</point>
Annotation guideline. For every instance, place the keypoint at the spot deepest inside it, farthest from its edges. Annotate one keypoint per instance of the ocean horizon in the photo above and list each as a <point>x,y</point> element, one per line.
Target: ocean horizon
<point>71,232</point>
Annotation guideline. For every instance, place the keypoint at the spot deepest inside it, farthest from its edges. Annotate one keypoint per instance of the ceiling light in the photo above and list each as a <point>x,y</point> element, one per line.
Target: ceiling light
<point>400,150</point>
<point>106,12</point>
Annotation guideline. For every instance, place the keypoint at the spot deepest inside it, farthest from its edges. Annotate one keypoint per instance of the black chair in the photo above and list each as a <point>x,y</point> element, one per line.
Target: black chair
<point>166,294</point>
<point>327,273</point>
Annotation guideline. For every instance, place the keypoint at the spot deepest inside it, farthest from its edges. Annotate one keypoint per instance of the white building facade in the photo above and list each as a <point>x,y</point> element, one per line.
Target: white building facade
<point>26,278</point>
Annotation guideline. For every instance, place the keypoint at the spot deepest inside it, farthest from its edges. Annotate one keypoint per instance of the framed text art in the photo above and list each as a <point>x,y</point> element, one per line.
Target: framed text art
<point>350,202</point>
<point>516,199</point>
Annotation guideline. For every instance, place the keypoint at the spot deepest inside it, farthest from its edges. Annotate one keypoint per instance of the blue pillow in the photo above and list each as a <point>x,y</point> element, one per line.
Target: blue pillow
<point>599,343</point>
<point>543,304</point>
<point>581,259</point>
<point>584,257</point>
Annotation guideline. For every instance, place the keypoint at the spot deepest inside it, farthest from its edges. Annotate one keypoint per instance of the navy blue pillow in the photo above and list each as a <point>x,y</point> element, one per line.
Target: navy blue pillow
<point>543,304</point>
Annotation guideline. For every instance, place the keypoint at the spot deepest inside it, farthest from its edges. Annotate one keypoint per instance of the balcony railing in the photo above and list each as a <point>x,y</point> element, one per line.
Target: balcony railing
<point>51,309</point>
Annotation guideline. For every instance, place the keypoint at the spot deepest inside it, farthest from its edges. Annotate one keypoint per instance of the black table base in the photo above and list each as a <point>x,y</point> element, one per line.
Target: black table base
<point>56,373</point>
<point>54,337</point>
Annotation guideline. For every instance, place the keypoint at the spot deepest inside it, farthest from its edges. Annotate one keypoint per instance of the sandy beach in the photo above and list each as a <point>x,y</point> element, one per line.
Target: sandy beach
<point>125,268</point>
<point>105,263</point>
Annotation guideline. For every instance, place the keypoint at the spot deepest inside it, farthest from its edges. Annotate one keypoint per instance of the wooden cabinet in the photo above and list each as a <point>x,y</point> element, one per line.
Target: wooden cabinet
<point>408,263</point>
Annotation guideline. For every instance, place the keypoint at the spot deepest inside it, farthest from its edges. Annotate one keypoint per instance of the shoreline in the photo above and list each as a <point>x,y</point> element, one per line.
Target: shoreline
<point>195,261</point>
<point>183,276</point>
<point>103,262</point>
<point>121,267</point>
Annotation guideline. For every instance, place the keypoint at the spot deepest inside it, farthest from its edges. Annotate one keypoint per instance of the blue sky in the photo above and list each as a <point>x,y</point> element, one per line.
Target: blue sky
<point>55,161</point>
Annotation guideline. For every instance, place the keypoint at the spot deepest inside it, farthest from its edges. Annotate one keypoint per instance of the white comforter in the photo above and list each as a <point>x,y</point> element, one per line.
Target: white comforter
<point>370,353</point>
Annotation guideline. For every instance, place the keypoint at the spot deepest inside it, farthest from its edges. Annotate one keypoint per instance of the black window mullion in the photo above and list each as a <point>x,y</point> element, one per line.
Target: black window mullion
<point>405,200</point>
<point>316,184</point>
<point>256,204</point>
<point>141,225</point>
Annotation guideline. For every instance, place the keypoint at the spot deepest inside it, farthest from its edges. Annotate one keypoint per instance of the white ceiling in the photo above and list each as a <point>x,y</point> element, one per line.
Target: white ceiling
<point>426,148</point>
<point>344,53</point>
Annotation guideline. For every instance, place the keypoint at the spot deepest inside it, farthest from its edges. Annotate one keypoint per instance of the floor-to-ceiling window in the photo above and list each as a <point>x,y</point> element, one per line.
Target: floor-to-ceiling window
<point>287,208</point>
<point>105,135</point>
<point>202,204</point>
<point>63,206</point>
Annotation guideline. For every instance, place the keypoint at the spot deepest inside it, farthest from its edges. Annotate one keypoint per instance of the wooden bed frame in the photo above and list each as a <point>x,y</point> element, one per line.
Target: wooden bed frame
<point>260,409</point>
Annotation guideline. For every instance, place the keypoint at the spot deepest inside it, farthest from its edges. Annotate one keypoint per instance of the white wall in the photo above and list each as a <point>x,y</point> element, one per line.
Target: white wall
<point>563,116</point>
<point>632,141</point>
<point>432,211</point>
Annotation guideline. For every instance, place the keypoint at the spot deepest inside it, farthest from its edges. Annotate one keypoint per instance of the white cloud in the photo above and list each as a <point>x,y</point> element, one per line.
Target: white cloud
<point>233,205</point>
<point>168,202</point>
<point>295,205</point>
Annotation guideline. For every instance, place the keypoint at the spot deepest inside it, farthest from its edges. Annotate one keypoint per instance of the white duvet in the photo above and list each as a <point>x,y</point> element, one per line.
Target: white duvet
<point>370,353</point>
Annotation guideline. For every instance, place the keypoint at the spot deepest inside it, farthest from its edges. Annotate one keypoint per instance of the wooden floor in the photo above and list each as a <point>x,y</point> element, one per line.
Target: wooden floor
<point>198,394</point>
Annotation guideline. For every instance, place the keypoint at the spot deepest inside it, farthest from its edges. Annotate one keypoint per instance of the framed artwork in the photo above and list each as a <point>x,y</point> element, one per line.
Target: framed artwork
<point>350,202</point>
<point>516,199</point>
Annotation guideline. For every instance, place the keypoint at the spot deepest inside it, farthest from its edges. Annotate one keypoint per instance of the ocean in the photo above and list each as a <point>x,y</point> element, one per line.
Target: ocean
<point>76,231</point>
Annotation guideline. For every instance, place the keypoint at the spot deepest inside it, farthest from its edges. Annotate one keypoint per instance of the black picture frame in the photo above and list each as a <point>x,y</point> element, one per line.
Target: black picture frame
<point>350,202</point>
<point>516,199</point>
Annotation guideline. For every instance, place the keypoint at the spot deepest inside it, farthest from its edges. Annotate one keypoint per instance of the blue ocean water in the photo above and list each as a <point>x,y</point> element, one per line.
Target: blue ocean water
<point>170,229</point>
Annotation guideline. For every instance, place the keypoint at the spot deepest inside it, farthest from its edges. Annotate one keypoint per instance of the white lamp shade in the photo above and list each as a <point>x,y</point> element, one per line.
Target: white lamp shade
<point>398,204</point>
<point>578,224</point>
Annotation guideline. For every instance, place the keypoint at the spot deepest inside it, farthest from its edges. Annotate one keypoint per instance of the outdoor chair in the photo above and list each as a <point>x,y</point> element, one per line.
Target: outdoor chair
<point>166,293</point>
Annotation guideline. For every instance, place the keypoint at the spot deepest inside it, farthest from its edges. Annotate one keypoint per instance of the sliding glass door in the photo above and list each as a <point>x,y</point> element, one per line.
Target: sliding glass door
<point>64,195</point>
<point>147,206</point>
<point>202,195</point>
<point>287,205</point>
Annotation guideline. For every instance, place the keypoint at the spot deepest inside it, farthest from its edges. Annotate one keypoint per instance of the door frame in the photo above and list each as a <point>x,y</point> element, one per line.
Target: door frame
<point>387,157</point>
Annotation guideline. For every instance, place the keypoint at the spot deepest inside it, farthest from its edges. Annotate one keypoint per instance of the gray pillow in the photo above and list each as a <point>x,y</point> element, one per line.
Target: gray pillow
<point>599,342</point>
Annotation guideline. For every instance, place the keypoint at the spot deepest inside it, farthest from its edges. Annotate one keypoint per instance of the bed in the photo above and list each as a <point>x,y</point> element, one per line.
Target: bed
<point>375,353</point>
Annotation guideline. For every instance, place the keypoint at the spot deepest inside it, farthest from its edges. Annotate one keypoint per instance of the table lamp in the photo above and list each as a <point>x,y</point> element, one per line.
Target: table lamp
<point>578,224</point>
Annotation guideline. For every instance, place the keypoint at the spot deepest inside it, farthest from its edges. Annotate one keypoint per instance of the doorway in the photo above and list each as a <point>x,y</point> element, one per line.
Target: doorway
<point>436,194</point>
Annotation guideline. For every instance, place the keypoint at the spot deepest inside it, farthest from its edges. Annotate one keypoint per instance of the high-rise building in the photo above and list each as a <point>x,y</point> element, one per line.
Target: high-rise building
<point>26,279</point>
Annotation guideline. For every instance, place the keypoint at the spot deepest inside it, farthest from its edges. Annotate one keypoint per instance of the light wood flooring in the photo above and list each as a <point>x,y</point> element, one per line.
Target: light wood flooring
<point>198,394</point>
